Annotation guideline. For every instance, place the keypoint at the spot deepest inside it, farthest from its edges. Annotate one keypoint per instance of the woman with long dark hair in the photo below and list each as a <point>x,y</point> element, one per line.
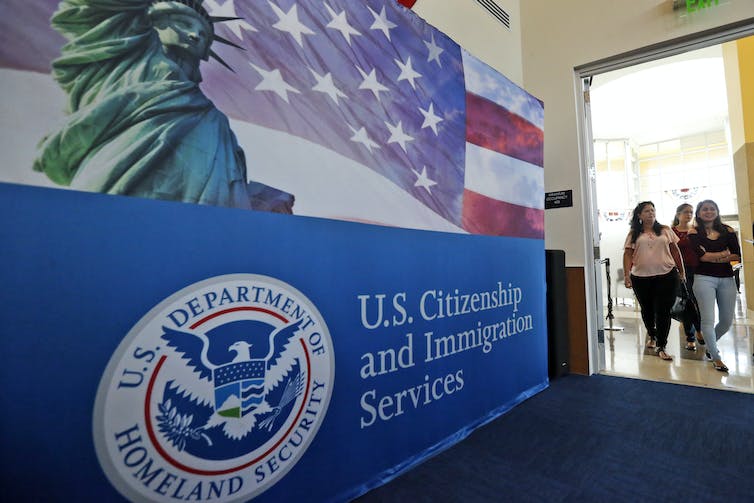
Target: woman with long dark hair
<point>655,264</point>
<point>682,224</point>
<point>716,245</point>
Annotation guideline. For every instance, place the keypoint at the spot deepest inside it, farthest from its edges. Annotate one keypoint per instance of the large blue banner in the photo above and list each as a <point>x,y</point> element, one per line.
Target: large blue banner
<point>164,351</point>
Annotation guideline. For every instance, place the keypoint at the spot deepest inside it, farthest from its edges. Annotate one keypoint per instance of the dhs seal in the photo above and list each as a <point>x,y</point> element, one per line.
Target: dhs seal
<point>216,393</point>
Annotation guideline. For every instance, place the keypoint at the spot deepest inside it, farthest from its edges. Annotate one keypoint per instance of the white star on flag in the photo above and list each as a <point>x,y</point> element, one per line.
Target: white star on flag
<point>273,81</point>
<point>397,135</point>
<point>430,119</point>
<point>381,22</point>
<point>370,82</point>
<point>434,51</point>
<point>362,137</point>
<point>422,180</point>
<point>326,85</point>
<point>407,72</point>
<point>340,23</point>
<point>289,22</point>
<point>228,9</point>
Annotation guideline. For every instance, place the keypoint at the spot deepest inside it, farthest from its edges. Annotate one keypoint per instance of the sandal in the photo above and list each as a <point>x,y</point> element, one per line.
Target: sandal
<point>700,339</point>
<point>691,346</point>
<point>651,344</point>
<point>663,355</point>
<point>720,366</point>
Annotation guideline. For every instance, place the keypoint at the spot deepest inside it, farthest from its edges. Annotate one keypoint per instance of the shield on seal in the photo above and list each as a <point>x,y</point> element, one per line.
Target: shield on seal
<point>239,387</point>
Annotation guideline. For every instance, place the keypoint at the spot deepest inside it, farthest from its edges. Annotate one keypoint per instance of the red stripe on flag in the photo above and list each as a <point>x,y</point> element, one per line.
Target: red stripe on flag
<point>407,3</point>
<point>484,215</point>
<point>493,127</point>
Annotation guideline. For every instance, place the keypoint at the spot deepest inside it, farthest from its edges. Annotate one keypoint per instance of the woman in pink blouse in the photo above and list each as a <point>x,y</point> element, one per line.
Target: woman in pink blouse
<point>653,265</point>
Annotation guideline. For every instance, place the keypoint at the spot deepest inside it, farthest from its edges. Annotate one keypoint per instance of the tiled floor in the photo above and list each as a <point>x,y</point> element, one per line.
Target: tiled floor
<point>625,353</point>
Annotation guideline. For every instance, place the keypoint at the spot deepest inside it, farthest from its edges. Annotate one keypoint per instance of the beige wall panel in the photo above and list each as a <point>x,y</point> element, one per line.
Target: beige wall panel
<point>746,70</point>
<point>733,89</point>
<point>743,162</point>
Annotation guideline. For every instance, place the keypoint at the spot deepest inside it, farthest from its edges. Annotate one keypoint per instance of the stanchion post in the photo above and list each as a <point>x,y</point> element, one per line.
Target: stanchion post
<point>610,315</point>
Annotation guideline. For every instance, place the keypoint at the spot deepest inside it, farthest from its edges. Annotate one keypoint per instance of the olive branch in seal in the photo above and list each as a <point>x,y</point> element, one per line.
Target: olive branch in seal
<point>293,388</point>
<point>177,426</point>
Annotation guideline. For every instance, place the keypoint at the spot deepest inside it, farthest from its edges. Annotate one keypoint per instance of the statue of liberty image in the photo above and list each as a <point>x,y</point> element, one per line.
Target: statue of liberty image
<point>138,123</point>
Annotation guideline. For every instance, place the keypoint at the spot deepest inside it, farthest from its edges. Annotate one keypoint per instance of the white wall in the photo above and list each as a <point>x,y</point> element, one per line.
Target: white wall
<point>558,36</point>
<point>477,31</point>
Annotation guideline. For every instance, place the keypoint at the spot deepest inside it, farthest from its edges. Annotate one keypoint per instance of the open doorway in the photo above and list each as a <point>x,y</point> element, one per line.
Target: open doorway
<point>661,132</point>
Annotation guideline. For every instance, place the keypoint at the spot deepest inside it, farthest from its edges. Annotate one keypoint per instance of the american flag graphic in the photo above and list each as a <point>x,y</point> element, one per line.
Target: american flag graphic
<point>393,111</point>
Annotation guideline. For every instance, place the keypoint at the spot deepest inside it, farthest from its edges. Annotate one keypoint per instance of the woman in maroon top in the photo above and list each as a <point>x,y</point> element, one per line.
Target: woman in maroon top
<point>684,214</point>
<point>716,245</point>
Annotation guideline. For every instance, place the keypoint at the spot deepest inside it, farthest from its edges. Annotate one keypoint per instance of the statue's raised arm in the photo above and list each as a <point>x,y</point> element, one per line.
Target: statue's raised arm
<point>74,18</point>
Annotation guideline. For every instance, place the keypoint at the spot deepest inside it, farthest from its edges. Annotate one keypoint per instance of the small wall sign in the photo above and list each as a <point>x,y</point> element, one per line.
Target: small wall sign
<point>559,199</point>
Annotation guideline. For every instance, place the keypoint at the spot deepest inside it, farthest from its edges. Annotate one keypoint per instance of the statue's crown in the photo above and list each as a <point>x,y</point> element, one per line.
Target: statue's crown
<point>195,5</point>
<point>167,6</point>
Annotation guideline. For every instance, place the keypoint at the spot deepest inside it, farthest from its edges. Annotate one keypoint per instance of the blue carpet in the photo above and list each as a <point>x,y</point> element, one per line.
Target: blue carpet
<point>597,438</point>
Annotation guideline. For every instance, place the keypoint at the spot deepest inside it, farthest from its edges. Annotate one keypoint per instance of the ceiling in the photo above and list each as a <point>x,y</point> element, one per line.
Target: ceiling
<point>660,100</point>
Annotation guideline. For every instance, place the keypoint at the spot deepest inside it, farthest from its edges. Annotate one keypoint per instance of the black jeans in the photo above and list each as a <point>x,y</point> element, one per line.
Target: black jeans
<point>690,330</point>
<point>656,295</point>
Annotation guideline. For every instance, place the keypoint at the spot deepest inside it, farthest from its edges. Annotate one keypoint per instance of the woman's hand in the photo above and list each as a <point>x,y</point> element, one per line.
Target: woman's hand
<point>627,281</point>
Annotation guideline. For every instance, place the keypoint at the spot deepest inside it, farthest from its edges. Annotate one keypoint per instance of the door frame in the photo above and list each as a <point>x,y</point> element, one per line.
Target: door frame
<point>672,47</point>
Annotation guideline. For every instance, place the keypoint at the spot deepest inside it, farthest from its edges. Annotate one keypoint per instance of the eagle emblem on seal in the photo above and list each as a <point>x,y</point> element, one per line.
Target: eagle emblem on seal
<point>242,369</point>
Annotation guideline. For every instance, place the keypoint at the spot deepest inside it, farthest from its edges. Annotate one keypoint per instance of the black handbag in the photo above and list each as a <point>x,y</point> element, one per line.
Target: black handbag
<point>682,300</point>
